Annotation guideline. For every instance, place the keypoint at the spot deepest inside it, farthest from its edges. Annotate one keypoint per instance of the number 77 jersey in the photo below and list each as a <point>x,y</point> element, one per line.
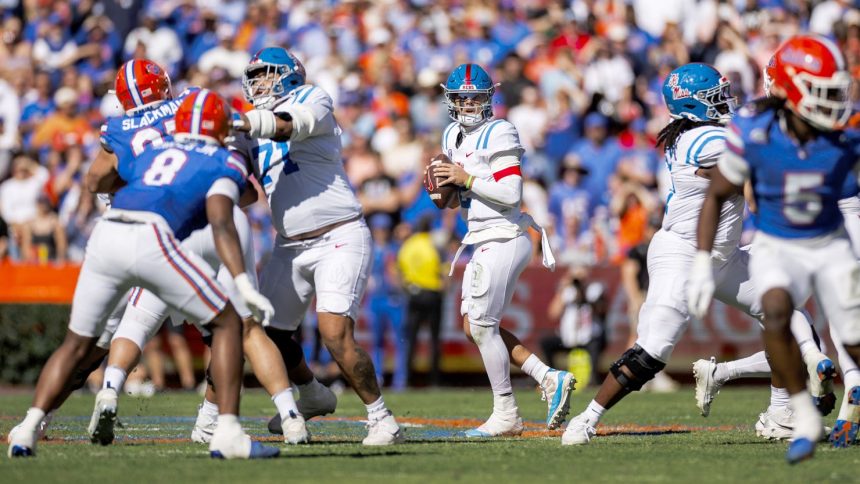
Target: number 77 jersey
<point>797,187</point>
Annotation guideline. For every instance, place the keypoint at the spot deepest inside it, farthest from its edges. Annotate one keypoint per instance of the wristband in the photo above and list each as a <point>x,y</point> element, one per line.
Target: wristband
<point>469,182</point>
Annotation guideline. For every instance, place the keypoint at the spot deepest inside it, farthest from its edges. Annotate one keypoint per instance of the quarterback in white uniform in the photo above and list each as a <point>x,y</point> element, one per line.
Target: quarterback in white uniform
<point>323,247</point>
<point>487,155</point>
<point>699,102</point>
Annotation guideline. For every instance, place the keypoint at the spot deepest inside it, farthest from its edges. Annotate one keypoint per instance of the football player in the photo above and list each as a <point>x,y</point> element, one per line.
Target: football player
<point>487,155</point>
<point>171,190</point>
<point>151,123</point>
<point>699,101</point>
<point>793,149</point>
<point>323,247</point>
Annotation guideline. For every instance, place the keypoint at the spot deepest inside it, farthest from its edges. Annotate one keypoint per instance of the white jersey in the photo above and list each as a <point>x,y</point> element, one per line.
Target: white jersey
<point>304,178</point>
<point>488,153</point>
<point>700,147</point>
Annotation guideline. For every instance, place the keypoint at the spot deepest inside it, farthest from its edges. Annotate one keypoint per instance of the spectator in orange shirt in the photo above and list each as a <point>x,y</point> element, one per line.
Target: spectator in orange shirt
<point>66,126</point>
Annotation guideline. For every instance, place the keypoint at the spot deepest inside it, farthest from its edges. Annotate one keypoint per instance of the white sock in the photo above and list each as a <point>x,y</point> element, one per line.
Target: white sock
<point>504,403</point>
<point>801,328</point>
<point>377,410</point>
<point>535,368</point>
<point>778,397</point>
<point>114,378</point>
<point>752,366</point>
<point>807,420</point>
<point>209,408</point>
<point>286,404</point>
<point>495,356</point>
<point>33,418</point>
<point>593,413</point>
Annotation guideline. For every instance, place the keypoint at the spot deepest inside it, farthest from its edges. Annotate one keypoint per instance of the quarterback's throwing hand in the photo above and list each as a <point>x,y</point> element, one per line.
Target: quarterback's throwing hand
<point>700,287</point>
<point>454,174</point>
<point>260,307</point>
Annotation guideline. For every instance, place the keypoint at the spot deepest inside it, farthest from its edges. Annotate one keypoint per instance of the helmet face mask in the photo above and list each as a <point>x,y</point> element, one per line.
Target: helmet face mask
<point>824,102</point>
<point>469,107</point>
<point>272,74</point>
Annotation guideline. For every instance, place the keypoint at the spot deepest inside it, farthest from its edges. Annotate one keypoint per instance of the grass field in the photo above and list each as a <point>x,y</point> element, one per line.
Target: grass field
<point>647,438</point>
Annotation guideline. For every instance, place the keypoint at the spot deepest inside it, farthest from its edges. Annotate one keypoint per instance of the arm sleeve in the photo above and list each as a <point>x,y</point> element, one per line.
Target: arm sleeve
<point>732,163</point>
<point>312,114</point>
<point>506,188</point>
<point>225,186</point>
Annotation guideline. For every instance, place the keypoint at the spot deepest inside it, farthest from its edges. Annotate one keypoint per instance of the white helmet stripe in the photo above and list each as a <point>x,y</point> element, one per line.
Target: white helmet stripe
<point>834,51</point>
<point>197,111</point>
<point>132,83</point>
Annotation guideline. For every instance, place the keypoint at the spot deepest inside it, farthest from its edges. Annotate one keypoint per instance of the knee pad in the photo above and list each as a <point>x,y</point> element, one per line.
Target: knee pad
<point>640,364</point>
<point>482,334</point>
<point>291,350</point>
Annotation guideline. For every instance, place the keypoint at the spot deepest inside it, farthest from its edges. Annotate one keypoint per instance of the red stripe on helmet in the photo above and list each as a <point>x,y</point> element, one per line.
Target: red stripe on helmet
<point>468,74</point>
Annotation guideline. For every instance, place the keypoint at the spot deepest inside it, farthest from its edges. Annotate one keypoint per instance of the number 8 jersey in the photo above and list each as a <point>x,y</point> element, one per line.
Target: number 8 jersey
<point>174,179</point>
<point>797,187</point>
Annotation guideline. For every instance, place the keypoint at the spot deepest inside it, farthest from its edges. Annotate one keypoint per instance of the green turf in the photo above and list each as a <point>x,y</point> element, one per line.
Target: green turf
<point>726,450</point>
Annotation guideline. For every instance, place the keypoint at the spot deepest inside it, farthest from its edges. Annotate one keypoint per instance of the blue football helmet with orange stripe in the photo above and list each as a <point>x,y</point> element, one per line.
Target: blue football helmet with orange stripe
<point>469,95</point>
<point>272,74</point>
<point>699,92</point>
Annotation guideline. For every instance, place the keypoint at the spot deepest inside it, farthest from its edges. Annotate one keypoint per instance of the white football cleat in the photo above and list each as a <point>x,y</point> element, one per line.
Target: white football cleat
<point>104,417</point>
<point>41,431</point>
<point>578,432</point>
<point>775,423</point>
<point>295,430</point>
<point>499,424</point>
<point>22,443</point>
<point>204,427</point>
<point>384,431</point>
<point>706,386</point>
<point>556,389</point>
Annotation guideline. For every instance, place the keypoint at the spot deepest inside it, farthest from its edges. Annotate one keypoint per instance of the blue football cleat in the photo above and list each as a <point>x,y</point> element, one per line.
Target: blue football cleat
<point>20,451</point>
<point>799,450</point>
<point>556,388</point>
<point>258,451</point>
<point>844,433</point>
<point>476,434</point>
<point>822,387</point>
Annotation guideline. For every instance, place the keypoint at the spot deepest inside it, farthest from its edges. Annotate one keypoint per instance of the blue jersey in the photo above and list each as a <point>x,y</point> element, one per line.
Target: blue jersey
<point>173,180</point>
<point>796,187</point>
<point>127,136</point>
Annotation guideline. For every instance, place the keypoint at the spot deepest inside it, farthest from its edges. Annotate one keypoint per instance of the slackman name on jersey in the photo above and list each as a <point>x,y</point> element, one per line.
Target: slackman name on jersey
<point>146,118</point>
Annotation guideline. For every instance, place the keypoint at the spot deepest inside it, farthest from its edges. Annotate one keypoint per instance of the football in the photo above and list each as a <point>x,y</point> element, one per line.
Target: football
<point>442,196</point>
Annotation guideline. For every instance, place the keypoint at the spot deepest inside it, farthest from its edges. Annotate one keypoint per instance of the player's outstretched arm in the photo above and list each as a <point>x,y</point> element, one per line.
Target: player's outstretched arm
<point>262,123</point>
<point>103,177</point>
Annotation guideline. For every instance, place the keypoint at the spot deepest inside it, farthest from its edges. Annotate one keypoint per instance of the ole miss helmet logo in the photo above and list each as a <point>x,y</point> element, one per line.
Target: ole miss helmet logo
<point>678,92</point>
